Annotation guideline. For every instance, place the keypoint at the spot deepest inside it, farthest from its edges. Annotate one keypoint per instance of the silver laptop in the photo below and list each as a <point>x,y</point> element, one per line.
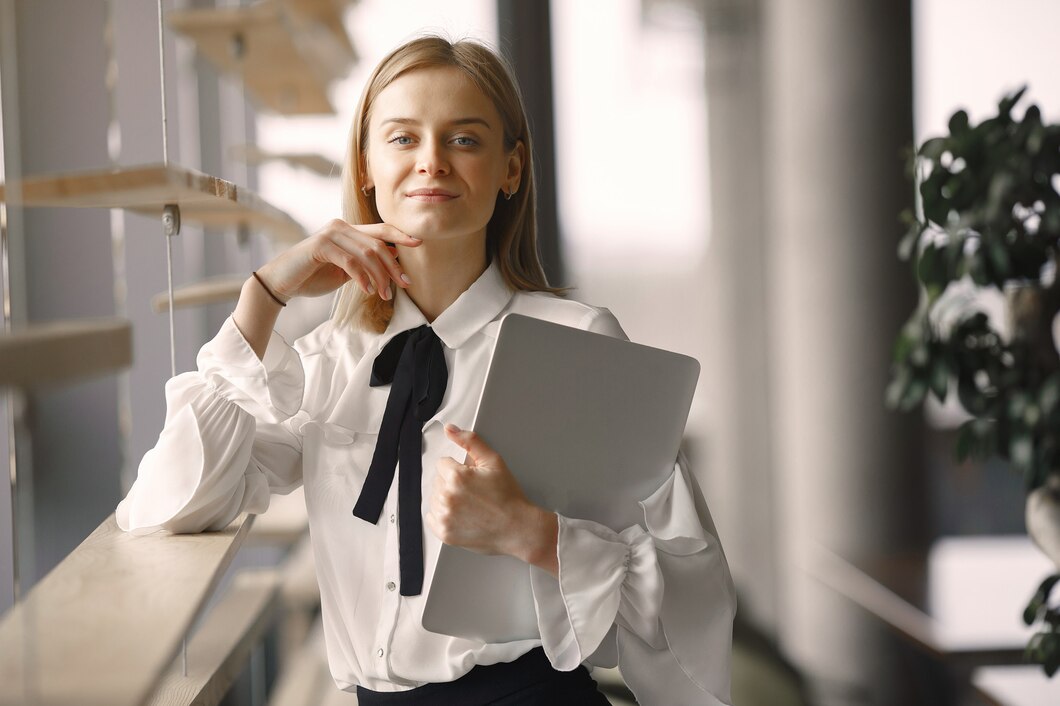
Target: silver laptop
<point>589,425</point>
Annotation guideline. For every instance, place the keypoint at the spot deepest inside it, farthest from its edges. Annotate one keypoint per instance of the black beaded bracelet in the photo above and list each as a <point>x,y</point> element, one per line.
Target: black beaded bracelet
<point>266,288</point>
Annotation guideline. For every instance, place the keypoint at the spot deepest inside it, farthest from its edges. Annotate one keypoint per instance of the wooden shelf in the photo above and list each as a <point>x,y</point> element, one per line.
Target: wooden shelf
<point>146,189</point>
<point>221,646</point>
<point>105,625</point>
<point>64,351</point>
<point>285,57</point>
<point>320,32</point>
<point>326,13</point>
<point>313,162</point>
<point>208,291</point>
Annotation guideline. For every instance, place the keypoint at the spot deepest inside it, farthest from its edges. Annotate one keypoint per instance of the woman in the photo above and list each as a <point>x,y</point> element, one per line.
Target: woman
<point>438,243</point>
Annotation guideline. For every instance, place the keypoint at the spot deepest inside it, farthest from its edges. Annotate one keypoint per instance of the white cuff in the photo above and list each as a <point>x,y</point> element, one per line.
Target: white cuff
<point>601,574</point>
<point>697,615</point>
<point>269,389</point>
<point>173,474</point>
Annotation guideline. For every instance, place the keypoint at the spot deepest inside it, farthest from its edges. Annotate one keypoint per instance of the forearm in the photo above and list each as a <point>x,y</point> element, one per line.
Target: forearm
<point>255,315</point>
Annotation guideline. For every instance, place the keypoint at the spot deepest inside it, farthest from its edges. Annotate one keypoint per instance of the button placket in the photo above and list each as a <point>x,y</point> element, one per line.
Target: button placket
<point>390,606</point>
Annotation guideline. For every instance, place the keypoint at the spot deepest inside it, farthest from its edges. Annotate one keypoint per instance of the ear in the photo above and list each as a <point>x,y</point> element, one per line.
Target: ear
<point>516,158</point>
<point>369,183</point>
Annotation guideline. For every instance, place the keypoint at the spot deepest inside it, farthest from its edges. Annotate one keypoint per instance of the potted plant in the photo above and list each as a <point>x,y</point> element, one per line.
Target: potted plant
<point>988,218</point>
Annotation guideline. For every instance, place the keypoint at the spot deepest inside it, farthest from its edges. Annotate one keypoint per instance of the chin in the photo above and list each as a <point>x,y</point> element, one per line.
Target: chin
<point>432,229</point>
<point>426,232</point>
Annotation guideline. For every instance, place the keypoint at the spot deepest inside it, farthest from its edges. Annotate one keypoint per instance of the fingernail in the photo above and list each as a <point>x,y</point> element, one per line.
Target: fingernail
<point>405,278</point>
<point>386,294</point>
<point>452,428</point>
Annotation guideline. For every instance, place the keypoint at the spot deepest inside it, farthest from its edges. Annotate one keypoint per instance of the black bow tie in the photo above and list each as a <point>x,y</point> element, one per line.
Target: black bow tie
<point>415,363</point>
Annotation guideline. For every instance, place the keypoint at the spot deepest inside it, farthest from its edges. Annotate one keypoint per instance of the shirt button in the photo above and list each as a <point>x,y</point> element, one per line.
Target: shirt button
<point>379,652</point>
<point>390,585</point>
<point>392,518</point>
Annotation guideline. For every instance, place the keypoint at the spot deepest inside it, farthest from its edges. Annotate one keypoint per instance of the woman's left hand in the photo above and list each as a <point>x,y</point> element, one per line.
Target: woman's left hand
<point>479,505</point>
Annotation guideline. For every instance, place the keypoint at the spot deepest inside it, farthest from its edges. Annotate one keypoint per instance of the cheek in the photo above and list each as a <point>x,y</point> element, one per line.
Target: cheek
<point>384,172</point>
<point>385,176</point>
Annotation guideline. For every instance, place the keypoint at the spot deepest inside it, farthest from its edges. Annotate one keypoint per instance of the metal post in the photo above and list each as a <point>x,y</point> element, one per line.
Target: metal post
<point>526,39</point>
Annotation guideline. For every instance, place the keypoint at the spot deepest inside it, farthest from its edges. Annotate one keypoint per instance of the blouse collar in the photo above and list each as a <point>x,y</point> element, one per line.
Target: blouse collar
<point>478,305</point>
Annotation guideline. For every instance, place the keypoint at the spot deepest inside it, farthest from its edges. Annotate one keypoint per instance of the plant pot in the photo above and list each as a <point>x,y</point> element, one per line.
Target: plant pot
<point>1043,517</point>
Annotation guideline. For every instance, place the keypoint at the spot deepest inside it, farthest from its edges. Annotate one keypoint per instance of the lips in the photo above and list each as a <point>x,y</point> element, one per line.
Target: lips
<point>431,195</point>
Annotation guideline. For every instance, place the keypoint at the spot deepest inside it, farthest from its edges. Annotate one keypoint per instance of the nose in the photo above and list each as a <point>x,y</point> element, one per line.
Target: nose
<point>431,159</point>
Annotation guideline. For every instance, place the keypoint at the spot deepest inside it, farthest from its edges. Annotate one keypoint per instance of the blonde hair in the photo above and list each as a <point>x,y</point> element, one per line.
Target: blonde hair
<point>511,234</point>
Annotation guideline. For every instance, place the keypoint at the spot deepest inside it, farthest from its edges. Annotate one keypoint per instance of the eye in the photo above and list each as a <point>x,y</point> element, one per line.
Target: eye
<point>400,140</point>
<point>465,141</point>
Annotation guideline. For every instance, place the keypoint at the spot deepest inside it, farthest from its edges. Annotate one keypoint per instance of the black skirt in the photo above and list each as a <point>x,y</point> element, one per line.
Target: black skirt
<point>528,681</point>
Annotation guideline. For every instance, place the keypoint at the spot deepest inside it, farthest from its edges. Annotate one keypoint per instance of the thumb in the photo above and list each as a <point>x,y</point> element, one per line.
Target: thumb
<point>478,451</point>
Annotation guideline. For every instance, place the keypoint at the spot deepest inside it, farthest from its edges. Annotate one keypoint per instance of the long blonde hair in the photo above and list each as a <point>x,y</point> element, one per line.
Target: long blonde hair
<point>511,234</point>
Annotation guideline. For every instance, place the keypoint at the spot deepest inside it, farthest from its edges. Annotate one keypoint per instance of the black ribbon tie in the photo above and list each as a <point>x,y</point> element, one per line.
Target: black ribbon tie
<point>413,364</point>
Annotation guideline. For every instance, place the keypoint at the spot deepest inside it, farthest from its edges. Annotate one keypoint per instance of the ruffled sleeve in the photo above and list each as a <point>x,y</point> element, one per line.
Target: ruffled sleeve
<point>225,446</point>
<point>662,600</point>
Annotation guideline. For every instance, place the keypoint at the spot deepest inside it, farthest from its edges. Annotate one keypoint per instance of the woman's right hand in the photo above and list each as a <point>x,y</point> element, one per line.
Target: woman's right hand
<point>323,262</point>
<point>335,254</point>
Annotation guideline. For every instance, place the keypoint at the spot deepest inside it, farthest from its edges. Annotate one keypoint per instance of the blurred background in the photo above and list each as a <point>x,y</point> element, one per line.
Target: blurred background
<point>725,175</point>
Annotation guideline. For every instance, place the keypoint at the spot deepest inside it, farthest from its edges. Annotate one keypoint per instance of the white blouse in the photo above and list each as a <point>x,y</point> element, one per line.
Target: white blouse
<point>239,429</point>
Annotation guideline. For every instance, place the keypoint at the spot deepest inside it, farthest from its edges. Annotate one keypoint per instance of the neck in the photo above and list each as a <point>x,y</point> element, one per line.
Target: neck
<point>441,270</point>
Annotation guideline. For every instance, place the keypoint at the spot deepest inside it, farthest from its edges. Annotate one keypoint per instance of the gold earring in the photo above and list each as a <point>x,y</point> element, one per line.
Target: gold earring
<point>364,190</point>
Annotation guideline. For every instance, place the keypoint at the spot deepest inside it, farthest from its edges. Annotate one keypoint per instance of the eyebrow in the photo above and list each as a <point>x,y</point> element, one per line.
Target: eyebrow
<point>458,121</point>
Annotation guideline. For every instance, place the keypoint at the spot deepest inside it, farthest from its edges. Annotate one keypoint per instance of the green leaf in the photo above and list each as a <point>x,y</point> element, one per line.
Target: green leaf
<point>896,388</point>
<point>903,346</point>
<point>1039,599</point>
<point>907,245</point>
<point>932,271</point>
<point>1035,139</point>
<point>977,268</point>
<point>1049,394</point>
<point>1008,102</point>
<point>940,378</point>
<point>973,401</point>
<point>1017,403</point>
<point>1050,224</point>
<point>1002,183</point>
<point>1050,653</point>
<point>933,149</point>
<point>914,394</point>
<point>958,124</point>
<point>1000,263</point>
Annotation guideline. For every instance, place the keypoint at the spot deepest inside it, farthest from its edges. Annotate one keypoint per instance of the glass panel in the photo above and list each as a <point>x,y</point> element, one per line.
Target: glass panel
<point>631,131</point>
<point>16,499</point>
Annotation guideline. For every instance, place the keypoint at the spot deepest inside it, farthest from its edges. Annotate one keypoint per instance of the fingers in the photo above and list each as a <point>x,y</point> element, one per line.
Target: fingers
<point>388,233</point>
<point>364,271</point>
<point>365,246</point>
<point>453,474</point>
<point>478,451</point>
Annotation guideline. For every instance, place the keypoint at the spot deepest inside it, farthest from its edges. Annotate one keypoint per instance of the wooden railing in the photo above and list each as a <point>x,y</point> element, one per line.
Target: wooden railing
<point>106,624</point>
